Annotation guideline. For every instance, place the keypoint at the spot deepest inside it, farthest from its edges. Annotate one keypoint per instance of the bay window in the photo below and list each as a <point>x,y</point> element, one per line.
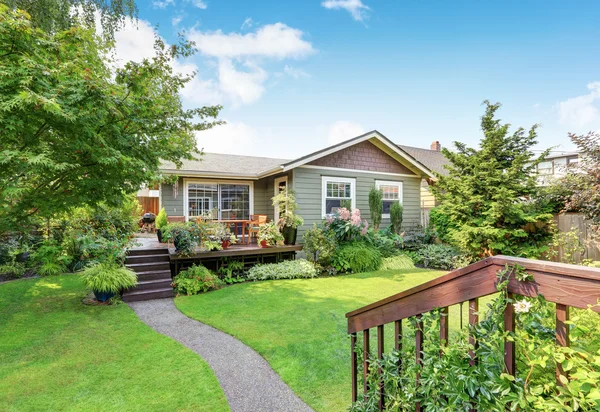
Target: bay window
<point>391,193</point>
<point>337,192</point>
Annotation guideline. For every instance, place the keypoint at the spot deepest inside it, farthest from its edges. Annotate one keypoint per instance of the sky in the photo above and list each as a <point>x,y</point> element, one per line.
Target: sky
<point>295,76</point>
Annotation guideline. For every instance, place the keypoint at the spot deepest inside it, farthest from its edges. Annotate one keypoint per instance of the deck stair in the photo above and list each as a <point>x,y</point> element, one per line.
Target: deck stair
<point>153,268</point>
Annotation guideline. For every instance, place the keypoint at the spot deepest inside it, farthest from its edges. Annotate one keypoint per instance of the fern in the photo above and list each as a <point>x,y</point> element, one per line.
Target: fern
<point>107,277</point>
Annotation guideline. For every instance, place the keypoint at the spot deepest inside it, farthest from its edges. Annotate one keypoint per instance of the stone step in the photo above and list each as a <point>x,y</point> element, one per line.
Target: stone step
<point>138,252</point>
<point>154,275</point>
<point>154,284</point>
<point>149,267</point>
<point>137,295</point>
<point>130,260</point>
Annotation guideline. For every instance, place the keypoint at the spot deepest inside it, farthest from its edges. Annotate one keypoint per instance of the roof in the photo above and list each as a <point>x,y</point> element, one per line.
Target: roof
<point>226,164</point>
<point>434,160</point>
<point>555,154</point>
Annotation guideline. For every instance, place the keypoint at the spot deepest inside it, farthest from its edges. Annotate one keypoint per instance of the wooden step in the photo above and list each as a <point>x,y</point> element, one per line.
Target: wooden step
<point>138,295</point>
<point>130,260</point>
<point>154,284</point>
<point>154,275</point>
<point>138,252</point>
<point>149,267</point>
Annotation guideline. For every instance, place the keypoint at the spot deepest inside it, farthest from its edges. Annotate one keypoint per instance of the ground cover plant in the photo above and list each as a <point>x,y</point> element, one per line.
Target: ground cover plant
<point>196,279</point>
<point>58,354</point>
<point>288,269</point>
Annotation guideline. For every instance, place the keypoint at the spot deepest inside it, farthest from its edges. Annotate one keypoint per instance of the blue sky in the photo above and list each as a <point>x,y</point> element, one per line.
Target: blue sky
<point>295,76</point>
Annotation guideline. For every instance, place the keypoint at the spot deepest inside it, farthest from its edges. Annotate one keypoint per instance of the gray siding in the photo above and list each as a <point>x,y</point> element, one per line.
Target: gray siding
<point>173,206</point>
<point>307,183</point>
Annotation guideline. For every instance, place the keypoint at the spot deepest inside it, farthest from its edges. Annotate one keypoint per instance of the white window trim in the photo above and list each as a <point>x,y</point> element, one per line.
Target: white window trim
<point>186,183</point>
<point>275,193</point>
<point>325,179</point>
<point>379,183</point>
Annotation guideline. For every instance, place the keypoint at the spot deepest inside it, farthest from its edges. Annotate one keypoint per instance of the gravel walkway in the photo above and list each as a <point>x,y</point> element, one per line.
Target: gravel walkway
<point>247,379</point>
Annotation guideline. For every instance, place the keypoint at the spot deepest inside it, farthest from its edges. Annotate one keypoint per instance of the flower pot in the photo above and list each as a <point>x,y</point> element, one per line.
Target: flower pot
<point>103,296</point>
<point>289,235</point>
<point>263,243</point>
<point>22,257</point>
<point>159,235</point>
<point>225,244</point>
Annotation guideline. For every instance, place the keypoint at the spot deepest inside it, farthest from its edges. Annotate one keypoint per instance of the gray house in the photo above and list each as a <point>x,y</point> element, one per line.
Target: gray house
<point>235,187</point>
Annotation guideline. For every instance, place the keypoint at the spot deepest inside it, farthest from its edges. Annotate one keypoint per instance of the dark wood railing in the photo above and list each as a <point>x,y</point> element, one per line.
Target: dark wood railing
<point>565,285</point>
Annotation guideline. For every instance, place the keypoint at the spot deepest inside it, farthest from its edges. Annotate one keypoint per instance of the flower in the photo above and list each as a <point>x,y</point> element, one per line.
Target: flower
<point>329,219</point>
<point>344,213</point>
<point>522,306</point>
<point>365,228</point>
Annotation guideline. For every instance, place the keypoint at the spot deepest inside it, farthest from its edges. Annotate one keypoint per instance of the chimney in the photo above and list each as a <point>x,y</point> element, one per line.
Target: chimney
<point>436,146</point>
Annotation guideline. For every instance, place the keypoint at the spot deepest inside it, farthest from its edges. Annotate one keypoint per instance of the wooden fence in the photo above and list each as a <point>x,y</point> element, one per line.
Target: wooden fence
<point>568,221</point>
<point>149,204</point>
<point>565,285</point>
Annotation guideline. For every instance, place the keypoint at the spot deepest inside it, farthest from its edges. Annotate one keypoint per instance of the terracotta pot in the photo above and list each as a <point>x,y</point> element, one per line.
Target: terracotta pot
<point>263,243</point>
<point>225,244</point>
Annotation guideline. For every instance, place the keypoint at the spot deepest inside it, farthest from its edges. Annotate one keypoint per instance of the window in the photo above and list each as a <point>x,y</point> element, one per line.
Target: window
<point>546,168</point>
<point>338,192</point>
<point>392,193</point>
<point>223,200</point>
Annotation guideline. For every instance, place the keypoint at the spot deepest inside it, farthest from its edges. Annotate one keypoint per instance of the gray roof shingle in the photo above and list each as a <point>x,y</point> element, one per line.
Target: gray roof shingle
<point>226,164</point>
<point>432,159</point>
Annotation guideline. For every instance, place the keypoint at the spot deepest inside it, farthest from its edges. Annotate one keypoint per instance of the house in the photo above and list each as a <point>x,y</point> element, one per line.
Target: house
<point>556,165</point>
<point>235,187</point>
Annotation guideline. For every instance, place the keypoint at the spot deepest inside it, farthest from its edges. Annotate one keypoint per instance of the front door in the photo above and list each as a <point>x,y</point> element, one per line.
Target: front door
<point>280,184</point>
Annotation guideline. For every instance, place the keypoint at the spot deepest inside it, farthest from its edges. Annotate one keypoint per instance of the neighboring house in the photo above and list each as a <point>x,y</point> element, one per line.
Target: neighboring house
<point>231,186</point>
<point>555,166</point>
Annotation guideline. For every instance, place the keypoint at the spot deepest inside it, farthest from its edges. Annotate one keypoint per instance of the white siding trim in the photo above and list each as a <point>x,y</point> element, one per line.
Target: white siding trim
<point>186,183</point>
<point>359,171</point>
<point>275,193</point>
<point>379,183</point>
<point>325,179</point>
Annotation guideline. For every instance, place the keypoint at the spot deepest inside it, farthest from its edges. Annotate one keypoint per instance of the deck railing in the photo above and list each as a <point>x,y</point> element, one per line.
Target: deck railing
<point>565,285</point>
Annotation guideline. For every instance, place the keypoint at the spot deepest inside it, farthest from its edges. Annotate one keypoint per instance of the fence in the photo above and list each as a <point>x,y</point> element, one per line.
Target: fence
<point>149,204</point>
<point>567,221</point>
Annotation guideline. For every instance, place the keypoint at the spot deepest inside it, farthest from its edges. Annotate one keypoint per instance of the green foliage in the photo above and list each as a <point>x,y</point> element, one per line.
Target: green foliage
<point>485,194</point>
<point>399,262</point>
<point>356,257</point>
<point>288,269</point>
<point>285,201</point>
<point>570,243</point>
<point>196,279</point>
<point>319,245</point>
<point>109,277</point>
<point>270,234</point>
<point>161,219</point>
<point>439,256</point>
<point>13,270</point>
<point>440,224</point>
<point>396,211</point>
<point>386,241</point>
<point>376,207</point>
<point>75,132</point>
<point>231,271</point>
<point>449,382</point>
<point>346,225</point>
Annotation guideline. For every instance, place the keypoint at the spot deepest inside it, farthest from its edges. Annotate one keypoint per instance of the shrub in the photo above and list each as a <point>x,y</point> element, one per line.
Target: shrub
<point>387,242</point>
<point>50,258</point>
<point>109,277</point>
<point>356,257</point>
<point>346,225</point>
<point>376,206</point>
<point>270,234</point>
<point>161,219</point>
<point>196,279</point>
<point>396,211</point>
<point>439,256</point>
<point>289,269</point>
<point>319,245</point>
<point>440,224</point>
<point>397,263</point>
<point>13,270</point>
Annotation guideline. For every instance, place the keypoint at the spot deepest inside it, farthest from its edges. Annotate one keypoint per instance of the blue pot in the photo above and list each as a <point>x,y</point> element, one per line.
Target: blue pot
<point>103,296</point>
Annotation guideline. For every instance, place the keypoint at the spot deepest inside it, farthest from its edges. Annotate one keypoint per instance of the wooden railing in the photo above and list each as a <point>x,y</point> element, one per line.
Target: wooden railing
<point>565,285</point>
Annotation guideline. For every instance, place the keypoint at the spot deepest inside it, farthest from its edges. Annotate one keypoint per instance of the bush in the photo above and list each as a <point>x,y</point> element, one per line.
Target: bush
<point>109,277</point>
<point>196,279</point>
<point>319,245</point>
<point>346,225</point>
<point>13,270</point>
<point>440,224</point>
<point>396,211</point>
<point>184,236</point>
<point>397,263</point>
<point>289,269</point>
<point>376,206</point>
<point>387,242</point>
<point>50,258</point>
<point>356,257</point>
<point>440,256</point>
<point>161,219</point>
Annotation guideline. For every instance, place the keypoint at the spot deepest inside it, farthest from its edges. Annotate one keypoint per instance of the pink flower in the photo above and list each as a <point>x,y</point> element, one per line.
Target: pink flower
<point>329,219</point>
<point>355,219</point>
<point>344,213</point>
<point>365,228</point>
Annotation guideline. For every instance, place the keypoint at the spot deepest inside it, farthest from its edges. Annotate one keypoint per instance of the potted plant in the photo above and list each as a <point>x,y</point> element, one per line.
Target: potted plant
<point>269,235</point>
<point>108,279</point>
<point>289,220</point>
<point>160,222</point>
<point>219,232</point>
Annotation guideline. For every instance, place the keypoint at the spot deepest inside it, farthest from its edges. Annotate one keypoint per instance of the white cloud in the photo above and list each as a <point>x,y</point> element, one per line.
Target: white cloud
<point>343,130</point>
<point>231,138</point>
<point>176,20</point>
<point>581,110</point>
<point>161,4</point>
<point>200,4</point>
<point>242,87</point>
<point>295,72</point>
<point>355,7</point>
<point>134,42</point>
<point>277,41</point>
<point>247,24</point>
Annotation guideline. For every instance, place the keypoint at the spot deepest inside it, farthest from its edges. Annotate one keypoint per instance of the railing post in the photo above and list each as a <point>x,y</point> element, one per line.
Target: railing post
<point>562,335</point>
<point>354,360</point>
<point>380,371</point>
<point>366,345</point>
<point>473,320</point>
<point>509,347</point>
<point>419,351</point>
<point>443,328</point>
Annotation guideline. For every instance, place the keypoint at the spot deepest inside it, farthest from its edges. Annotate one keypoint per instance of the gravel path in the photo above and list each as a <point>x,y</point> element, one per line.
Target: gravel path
<point>247,379</point>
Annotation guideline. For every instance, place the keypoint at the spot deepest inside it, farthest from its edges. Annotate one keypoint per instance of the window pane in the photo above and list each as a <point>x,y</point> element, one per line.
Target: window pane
<point>202,198</point>
<point>235,201</point>
<point>332,205</point>
<point>387,204</point>
<point>340,190</point>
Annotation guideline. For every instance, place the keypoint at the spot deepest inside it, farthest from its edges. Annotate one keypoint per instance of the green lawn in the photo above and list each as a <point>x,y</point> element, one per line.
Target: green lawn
<point>299,326</point>
<point>57,354</point>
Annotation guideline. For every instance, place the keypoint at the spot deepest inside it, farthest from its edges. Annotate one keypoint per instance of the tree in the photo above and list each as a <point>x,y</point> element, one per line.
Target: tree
<point>396,211</point>
<point>75,132</point>
<point>376,207</point>
<point>53,16</point>
<point>487,193</point>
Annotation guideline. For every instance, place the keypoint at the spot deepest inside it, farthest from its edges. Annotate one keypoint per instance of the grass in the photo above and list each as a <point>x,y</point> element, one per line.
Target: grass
<point>299,326</point>
<point>58,354</point>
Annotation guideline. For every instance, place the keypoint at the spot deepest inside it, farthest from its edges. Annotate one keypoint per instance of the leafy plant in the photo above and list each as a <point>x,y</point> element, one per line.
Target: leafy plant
<point>161,219</point>
<point>231,271</point>
<point>212,245</point>
<point>570,244</point>
<point>396,211</point>
<point>196,279</point>
<point>440,224</point>
<point>285,201</point>
<point>386,241</point>
<point>398,262</point>
<point>438,256</point>
<point>109,277</point>
<point>50,258</point>
<point>346,225</point>
<point>376,207</point>
<point>356,257</point>
<point>289,269</point>
<point>13,270</point>
<point>270,234</point>
<point>319,245</point>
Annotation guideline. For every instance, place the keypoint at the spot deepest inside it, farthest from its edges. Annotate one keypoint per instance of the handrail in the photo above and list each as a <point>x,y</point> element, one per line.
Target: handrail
<point>569,285</point>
